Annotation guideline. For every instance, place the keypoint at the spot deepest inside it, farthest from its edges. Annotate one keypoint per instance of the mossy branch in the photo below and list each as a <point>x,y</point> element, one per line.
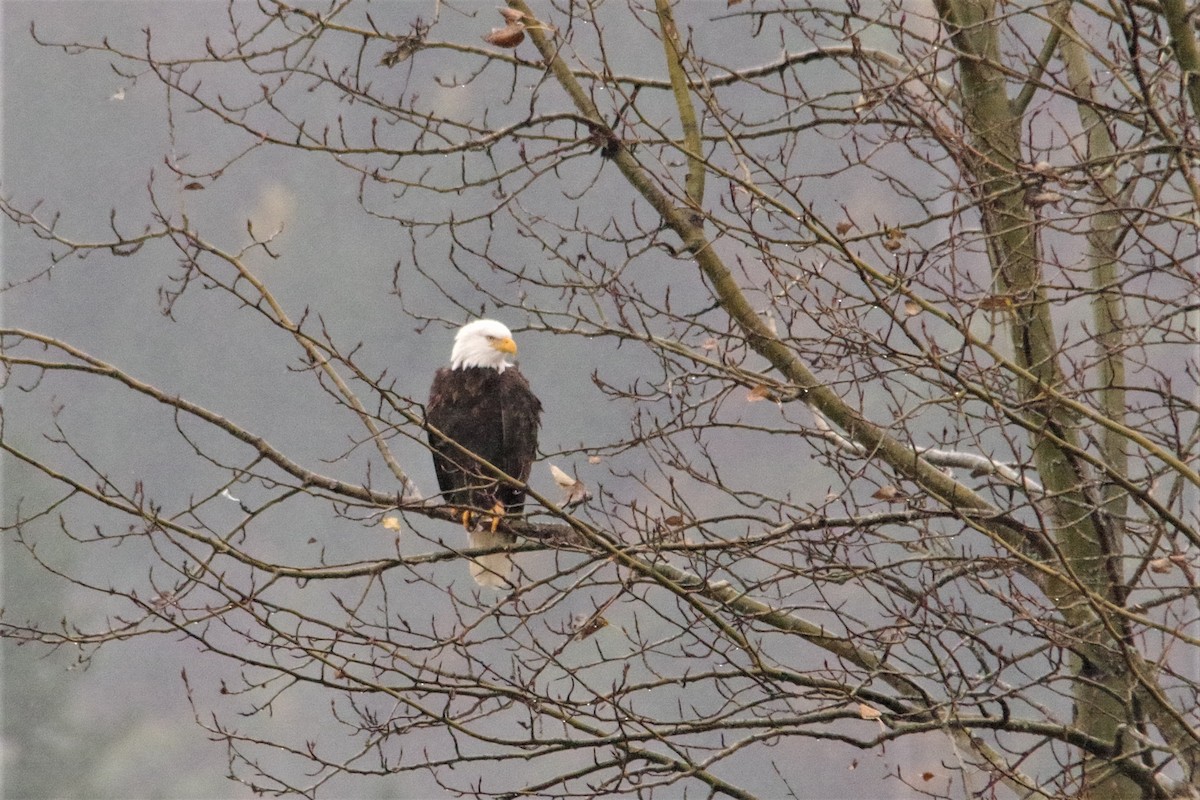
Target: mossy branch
<point>1108,310</point>
<point>1180,20</point>
<point>673,48</point>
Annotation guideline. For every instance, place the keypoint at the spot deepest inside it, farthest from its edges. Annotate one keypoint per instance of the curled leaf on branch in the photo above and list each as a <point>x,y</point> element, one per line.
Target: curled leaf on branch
<point>576,491</point>
<point>513,32</point>
<point>401,52</point>
<point>585,625</point>
<point>995,302</point>
<point>1042,197</point>
<point>866,712</point>
<point>510,35</point>
<point>888,494</point>
<point>758,393</point>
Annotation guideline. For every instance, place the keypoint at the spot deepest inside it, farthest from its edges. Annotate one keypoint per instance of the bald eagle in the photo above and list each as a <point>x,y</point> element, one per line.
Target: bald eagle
<point>483,403</point>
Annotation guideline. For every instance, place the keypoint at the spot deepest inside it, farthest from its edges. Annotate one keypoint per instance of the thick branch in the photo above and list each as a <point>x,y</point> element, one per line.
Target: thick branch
<point>1180,21</point>
<point>673,47</point>
<point>1108,309</point>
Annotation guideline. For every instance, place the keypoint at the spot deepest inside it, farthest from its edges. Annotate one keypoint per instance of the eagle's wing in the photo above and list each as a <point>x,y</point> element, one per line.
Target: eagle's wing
<point>521,415</point>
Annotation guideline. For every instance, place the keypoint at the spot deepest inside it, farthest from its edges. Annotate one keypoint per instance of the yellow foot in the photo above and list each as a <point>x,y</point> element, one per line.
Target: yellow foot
<point>469,517</point>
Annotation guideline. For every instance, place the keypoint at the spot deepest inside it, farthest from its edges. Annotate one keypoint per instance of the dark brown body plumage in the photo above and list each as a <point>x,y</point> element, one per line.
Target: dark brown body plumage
<point>492,414</point>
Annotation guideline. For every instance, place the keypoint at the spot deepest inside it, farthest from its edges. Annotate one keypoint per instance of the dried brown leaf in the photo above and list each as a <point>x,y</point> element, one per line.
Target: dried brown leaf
<point>1046,197</point>
<point>759,392</point>
<point>392,523</point>
<point>194,186</point>
<point>509,36</point>
<point>887,493</point>
<point>866,712</point>
<point>1161,565</point>
<point>586,626</point>
<point>402,51</point>
<point>1044,169</point>
<point>511,15</point>
<point>576,494</point>
<point>561,478</point>
<point>911,308</point>
<point>843,227</point>
<point>996,302</point>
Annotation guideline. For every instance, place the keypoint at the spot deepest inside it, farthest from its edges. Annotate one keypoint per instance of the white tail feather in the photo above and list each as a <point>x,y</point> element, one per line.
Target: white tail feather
<point>491,570</point>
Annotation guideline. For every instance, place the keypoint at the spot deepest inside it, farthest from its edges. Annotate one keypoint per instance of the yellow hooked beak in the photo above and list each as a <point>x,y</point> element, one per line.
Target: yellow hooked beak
<point>505,346</point>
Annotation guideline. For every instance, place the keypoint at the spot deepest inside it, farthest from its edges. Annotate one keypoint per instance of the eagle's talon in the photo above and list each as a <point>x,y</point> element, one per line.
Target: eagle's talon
<point>498,511</point>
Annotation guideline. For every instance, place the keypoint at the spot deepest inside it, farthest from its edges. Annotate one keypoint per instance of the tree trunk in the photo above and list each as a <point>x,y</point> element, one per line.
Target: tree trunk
<point>1087,538</point>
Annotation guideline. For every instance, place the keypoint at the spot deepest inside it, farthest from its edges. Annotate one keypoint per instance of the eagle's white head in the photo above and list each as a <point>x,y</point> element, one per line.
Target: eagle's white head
<point>483,343</point>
